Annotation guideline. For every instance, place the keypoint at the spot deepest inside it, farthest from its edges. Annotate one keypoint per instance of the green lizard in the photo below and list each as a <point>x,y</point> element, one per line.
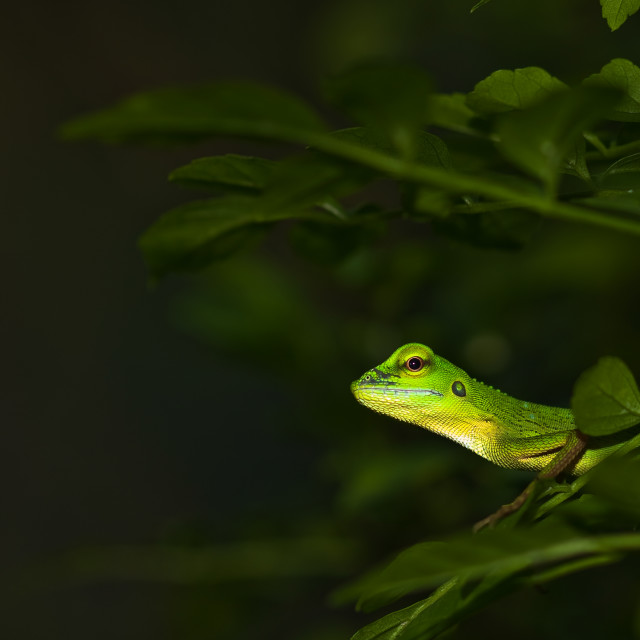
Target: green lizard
<point>417,386</point>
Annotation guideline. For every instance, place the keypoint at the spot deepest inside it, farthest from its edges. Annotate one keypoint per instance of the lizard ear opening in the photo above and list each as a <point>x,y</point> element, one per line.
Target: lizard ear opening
<point>459,389</point>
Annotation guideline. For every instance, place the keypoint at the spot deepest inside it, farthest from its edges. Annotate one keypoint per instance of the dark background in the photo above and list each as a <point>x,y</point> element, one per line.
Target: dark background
<point>127,422</point>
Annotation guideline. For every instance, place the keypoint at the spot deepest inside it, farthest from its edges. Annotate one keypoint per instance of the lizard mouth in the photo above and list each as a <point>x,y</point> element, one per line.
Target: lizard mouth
<point>391,390</point>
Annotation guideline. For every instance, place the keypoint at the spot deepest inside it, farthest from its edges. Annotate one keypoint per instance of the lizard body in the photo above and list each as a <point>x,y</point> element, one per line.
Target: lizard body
<point>417,386</point>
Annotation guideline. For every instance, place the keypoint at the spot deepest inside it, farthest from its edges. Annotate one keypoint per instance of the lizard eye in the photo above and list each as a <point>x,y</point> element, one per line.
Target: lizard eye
<point>414,364</point>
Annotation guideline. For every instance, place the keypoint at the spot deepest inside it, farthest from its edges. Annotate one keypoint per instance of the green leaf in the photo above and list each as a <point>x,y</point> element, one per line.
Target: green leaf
<point>388,97</point>
<point>527,557</point>
<point>575,163</point>
<point>429,149</point>
<point>188,114</point>
<point>313,178</point>
<point>623,175</point>
<point>506,90</point>
<point>195,234</point>
<point>391,626</point>
<point>615,12</point>
<point>623,75</point>
<point>606,398</point>
<point>618,187</point>
<point>495,552</point>
<point>452,602</point>
<point>428,564</point>
<point>543,138</point>
<point>232,171</point>
<point>450,111</point>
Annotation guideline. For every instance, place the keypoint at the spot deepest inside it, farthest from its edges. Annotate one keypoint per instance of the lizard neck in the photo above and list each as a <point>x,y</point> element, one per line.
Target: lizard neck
<point>505,424</point>
<point>491,423</point>
<point>519,418</point>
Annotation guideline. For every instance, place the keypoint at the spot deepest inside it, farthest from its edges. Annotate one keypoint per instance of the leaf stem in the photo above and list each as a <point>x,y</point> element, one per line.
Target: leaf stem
<point>459,183</point>
<point>613,152</point>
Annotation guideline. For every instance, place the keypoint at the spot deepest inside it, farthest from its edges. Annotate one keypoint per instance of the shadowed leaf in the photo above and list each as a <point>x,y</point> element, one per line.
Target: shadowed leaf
<point>195,234</point>
<point>452,602</point>
<point>507,229</point>
<point>451,111</point>
<point>429,149</point>
<point>390,98</point>
<point>542,139</point>
<point>188,114</point>
<point>606,398</point>
<point>498,552</point>
<point>227,172</point>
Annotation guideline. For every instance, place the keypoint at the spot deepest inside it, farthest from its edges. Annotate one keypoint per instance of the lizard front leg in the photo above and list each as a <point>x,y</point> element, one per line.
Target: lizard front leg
<point>568,454</point>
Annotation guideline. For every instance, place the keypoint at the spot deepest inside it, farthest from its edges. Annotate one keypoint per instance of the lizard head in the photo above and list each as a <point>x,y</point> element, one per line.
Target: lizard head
<point>416,385</point>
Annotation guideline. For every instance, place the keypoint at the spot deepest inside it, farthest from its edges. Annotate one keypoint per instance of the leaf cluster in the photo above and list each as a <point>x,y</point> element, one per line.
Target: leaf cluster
<point>483,166</point>
<point>470,572</point>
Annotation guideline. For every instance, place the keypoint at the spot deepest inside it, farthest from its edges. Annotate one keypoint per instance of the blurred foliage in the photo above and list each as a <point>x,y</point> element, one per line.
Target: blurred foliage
<point>308,266</point>
<point>538,127</point>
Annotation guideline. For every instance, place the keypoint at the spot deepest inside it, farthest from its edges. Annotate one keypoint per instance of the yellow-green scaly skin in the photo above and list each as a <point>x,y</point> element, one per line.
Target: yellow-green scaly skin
<point>508,432</point>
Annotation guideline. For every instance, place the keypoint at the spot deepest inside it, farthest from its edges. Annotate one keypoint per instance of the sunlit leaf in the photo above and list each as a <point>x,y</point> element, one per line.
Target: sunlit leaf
<point>615,12</point>
<point>606,398</point>
<point>624,76</point>
<point>506,90</point>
